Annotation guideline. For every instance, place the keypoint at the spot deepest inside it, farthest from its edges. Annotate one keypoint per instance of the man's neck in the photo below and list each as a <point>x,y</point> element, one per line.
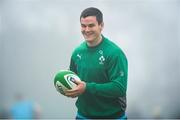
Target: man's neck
<point>96,42</point>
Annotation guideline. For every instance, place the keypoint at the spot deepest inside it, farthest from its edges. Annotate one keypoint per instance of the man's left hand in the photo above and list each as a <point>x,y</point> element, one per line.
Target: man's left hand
<point>78,90</point>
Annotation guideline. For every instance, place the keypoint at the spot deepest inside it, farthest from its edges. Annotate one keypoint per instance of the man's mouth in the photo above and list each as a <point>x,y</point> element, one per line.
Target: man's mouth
<point>88,34</point>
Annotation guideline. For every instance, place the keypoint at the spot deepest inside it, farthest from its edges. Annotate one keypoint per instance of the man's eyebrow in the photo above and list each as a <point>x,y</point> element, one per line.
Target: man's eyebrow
<point>88,24</point>
<point>91,24</point>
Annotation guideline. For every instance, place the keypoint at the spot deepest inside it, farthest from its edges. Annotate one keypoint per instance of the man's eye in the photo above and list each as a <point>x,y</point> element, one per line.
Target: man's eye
<point>92,25</point>
<point>83,26</point>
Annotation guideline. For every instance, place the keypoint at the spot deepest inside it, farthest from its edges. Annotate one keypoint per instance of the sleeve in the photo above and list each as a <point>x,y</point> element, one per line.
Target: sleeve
<point>73,66</point>
<point>117,73</point>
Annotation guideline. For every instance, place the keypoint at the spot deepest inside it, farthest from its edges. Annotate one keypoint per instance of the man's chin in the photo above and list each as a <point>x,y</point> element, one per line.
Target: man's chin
<point>89,40</point>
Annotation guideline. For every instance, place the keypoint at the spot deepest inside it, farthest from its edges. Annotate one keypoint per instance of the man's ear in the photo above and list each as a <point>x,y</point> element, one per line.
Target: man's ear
<point>102,26</point>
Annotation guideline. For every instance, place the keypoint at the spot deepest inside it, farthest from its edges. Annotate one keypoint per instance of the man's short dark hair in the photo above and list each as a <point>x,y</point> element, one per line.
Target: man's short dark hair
<point>91,11</point>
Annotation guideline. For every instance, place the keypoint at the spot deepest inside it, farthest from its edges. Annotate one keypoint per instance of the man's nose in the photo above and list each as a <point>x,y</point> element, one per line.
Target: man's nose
<point>87,29</point>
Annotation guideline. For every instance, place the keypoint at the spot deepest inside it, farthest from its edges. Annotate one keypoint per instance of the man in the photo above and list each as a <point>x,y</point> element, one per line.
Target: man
<point>102,67</point>
<point>24,109</point>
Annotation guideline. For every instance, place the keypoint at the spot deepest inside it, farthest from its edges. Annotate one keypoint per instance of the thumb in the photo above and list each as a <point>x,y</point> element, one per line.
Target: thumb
<point>76,81</point>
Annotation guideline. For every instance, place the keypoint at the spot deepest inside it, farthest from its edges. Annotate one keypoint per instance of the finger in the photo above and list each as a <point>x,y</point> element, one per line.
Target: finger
<point>77,82</point>
<point>74,97</point>
<point>71,93</point>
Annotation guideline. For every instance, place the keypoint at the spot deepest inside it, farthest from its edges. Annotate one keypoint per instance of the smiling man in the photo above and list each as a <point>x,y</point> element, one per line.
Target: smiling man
<point>103,70</point>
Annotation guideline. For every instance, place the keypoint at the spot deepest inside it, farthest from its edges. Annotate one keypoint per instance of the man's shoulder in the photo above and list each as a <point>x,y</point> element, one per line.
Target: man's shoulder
<point>80,48</point>
<point>113,50</point>
<point>111,46</point>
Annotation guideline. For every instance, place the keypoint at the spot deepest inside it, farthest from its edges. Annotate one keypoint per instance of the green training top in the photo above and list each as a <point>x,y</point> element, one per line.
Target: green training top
<point>104,68</point>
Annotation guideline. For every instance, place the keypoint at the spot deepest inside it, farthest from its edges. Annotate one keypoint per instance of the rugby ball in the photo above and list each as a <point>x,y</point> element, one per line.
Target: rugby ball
<point>64,80</point>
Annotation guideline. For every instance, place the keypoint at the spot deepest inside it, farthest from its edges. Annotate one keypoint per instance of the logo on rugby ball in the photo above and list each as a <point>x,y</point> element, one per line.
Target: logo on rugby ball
<point>64,80</point>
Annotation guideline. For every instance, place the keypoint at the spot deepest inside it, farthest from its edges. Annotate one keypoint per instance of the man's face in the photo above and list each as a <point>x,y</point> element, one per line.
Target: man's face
<point>90,28</point>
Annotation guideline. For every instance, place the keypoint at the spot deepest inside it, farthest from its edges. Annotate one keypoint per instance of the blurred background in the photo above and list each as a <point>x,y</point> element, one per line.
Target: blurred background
<point>37,38</point>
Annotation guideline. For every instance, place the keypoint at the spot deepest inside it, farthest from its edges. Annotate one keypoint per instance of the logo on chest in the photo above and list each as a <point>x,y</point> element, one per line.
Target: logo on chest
<point>101,58</point>
<point>79,56</point>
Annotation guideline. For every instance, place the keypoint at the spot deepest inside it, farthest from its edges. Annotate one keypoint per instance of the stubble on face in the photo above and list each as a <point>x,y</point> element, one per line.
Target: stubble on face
<point>91,30</point>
